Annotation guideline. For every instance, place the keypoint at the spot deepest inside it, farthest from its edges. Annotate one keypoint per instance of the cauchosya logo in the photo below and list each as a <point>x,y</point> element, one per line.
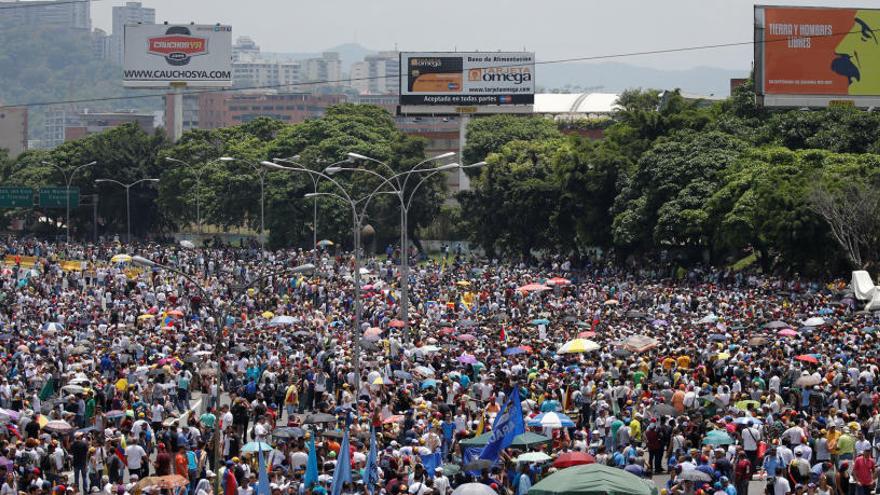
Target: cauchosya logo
<point>515,75</point>
<point>178,45</point>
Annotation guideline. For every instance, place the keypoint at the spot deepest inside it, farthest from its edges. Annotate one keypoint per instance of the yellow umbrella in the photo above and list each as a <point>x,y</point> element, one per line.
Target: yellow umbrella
<point>723,355</point>
<point>42,420</point>
<point>268,314</point>
<point>378,381</point>
<point>463,283</point>
<point>577,346</point>
<point>120,258</point>
<point>146,317</point>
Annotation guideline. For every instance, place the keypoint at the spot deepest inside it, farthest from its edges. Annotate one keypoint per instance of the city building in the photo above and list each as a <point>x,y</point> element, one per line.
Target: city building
<point>88,123</point>
<point>54,124</point>
<point>326,69</point>
<point>377,74</point>
<point>13,130</point>
<point>130,13</point>
<point>101,44</point>
<point>191,112</point>
<point>252,71</point>
<point>244,47</point>
<point>218,110</point>
<point>72,14</point>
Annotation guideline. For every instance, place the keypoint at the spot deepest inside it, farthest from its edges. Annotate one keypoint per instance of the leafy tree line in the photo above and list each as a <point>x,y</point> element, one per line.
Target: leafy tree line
<point>681,178</point>
<point>229,192</point>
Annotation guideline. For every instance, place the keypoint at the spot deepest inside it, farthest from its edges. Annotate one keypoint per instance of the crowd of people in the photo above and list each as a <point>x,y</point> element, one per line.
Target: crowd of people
<point>221,363</point>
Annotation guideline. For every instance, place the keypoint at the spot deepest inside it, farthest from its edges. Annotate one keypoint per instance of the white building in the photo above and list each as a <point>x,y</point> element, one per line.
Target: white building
<point>377,74</point>
<point>73,14</point>
<point>326,69</point>
<point>130,13</point>
<point>255,72</point>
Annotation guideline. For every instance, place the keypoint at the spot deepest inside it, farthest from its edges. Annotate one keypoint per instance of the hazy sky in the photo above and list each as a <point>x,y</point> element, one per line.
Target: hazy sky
<point>554,29</point>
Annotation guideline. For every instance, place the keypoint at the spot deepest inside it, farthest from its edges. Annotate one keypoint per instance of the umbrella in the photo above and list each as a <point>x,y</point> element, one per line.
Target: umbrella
<point>267,314</point>
<point>640,343</point>
<point>467,359</point>
<point>373,332</point>
<point>533,288</point>
<point>325,243</point>
<point>522,441</point>
<point>59,426</point>
<point>578,346</point>
<point>53,327</point>
<point>814,321</point>
<point>80,350</point>
<point>694,475</point>
<point>396,418</point>
<point>718,437</point>
<point>332,433</point>
<point>540,321</point>
<point>587,335</point>
<point>717,337</point>
<point>551,420</point>
<point>255,446</point>
<point>120,258</point>
<point>611,302</point>
<point>593,479</point>
<point>396,324</point>
<point>288,432</point>
<point>466,337</point>
<point>423,371</point>
<point>743,405</point>
<point>114,414</point>
<point>533,457</point>
<point>467,323</point>
<point>317,418</point>
<point>708,319</point>
<point>73,389</point>
<point>428,383</point>
<point>776,324</point>
<point>402,375</point>
<point>147,316</point>
<point>475,488</point>
<point>787,332</point>
<point>558,281</point>
<point>513,351</point>
<point>744,420</point>
<point>575,458</point>
<point>446,331</point>
<point>660,323</point>
<point>807,358</point>
<point>634,313</point>
<point>664,410</point>
<point>282,320</point>
<point>451,469</point>
<point>187,244</point>
<point>808,381</point>
<point>758,341</point>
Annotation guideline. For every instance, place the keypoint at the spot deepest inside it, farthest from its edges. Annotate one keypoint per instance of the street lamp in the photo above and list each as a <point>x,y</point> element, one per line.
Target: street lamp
<point>294,160</point>
<point>218,315</point>
<point>261,173</point>
<point>68,179</point>
<point>401,180</point>
<point>127,188</point>
<point>198,174</point>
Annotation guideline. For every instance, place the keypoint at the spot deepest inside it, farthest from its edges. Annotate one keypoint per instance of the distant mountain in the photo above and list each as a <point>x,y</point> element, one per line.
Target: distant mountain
<point>349,53</point>
<point>613,77</point>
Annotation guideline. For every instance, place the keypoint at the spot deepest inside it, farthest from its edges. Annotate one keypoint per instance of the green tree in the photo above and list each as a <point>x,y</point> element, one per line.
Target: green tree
<point>487,135</point>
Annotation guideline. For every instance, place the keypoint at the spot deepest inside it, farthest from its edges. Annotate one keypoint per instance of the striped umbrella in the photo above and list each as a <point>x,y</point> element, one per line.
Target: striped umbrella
<point>551,420</point>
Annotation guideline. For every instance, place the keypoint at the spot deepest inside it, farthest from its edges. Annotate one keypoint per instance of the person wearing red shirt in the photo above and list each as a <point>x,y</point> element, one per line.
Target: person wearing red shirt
<point>864,471</point>
<point>742,473</point>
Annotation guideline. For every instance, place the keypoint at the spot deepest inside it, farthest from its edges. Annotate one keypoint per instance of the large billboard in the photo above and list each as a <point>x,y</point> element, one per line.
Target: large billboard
<point>470,79</point>
<point>816,56</point>
<point>160,55</point>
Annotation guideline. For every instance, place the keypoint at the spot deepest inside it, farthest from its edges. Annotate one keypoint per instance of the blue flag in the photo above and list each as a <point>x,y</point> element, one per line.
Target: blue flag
<point>508,424</point>
<point>371,470</point>
<point>263,479</point>
<point>431,462</point>
<point>342,473</point>
<point>311,476</point>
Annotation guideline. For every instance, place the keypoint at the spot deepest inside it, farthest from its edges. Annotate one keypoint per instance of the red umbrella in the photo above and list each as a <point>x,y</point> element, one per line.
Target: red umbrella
<point>558,281</point>
<point>807,358</point>
<point>532,288</point>
<point>447,331</point>
<point>396,324</point>
<point>466,337</point>
<point>587,335</point>
<point>527,348</point>
<point>570,459</point>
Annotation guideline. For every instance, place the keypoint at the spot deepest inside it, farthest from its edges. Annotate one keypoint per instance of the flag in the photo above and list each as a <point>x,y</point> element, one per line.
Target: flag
<point>431,462</point>
<point>503,334</point>
<point>508,424</point>
<point>14,430</point>
<point>342,473</point>
<point>482,425</point>
<point>118,452</point>
<point>371,470</point>
<point>230,486</point>
<point>565,398</point>
<point>311,476</point>
<point>263,477</point>
<point>48,389</point>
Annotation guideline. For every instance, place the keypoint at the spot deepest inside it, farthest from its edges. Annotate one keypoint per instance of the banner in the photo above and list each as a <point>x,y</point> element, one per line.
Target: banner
<point>818,51</point>
<point>508,424</point>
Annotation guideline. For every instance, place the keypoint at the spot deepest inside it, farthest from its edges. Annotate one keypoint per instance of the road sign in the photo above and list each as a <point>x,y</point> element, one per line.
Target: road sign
<point>53,197</point>
<point>16,197</point>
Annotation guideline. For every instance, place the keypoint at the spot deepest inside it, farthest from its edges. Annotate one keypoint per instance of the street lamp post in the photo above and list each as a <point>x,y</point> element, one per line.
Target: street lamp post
<point>68,179</point>
<point>358,209</point>
<point>198,174</point>
<point>127,188</point>
<point>261,173</point>
<point>401,182</point>
<point>294,160</point>
<point>218,314</point>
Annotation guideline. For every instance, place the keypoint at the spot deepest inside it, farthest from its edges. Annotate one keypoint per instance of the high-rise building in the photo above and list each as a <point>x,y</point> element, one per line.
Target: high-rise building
<point>377,74</point>
<point>54,124</point>
<point>245,48</point>
<point>254,72</point>
<point>325,70</point>
<point>13,130</point>
<point>130,13</point>
<point>101,44</point>
<point>73,14</point>
<point>227,109</point>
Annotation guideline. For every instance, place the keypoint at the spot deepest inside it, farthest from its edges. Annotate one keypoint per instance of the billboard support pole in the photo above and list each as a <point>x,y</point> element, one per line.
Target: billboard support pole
<point>464,182</point>
<point>177,131</point>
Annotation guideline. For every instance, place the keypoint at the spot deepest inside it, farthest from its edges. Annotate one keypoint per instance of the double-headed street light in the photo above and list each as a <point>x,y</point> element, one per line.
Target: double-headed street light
<point>127,188</point>
<point>68,179</point>
<point>399,185</point>
<point>198,173</point>
<point>261,173</point>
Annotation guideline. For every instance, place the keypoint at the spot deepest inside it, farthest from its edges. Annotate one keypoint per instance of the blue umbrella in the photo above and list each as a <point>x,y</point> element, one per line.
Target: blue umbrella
<point>551,420</point>
<point>540,321</point>
<point>550,406</point>
<point>255,446</point>
<point>429,383</point>
<point>513,351</point>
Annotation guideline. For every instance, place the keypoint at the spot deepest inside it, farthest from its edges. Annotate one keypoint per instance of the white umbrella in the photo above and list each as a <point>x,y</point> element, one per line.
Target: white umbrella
<point>474,489</point>
<point>814,321</point>
<point>533,457</point>
<point>187,244</point>
<point>551,420</point>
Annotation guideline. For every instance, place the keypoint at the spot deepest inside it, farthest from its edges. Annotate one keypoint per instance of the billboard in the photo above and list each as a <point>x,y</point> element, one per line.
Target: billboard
<point>159,55</point>
<point>816,56</point>
<point>470,79</point>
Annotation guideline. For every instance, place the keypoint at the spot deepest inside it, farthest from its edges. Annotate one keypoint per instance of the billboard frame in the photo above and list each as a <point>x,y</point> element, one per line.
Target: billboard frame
<point>796,100</point>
